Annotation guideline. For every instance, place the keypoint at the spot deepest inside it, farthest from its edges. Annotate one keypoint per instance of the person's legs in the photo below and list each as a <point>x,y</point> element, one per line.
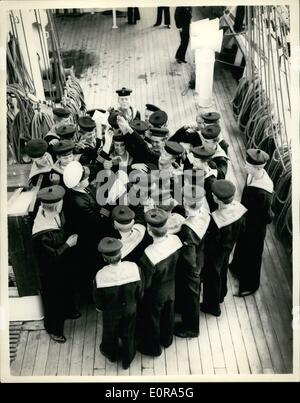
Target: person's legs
<point>167,15</point>
<point>167,323</point>
<point>179,50</point>
<point>159,16</point>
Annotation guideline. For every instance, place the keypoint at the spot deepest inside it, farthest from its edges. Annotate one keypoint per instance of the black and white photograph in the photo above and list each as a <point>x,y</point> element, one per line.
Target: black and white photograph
<point>149,191</point>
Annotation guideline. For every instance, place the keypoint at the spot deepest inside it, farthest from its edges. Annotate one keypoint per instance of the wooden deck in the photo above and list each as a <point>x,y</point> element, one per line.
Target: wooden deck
<point>254,334</point>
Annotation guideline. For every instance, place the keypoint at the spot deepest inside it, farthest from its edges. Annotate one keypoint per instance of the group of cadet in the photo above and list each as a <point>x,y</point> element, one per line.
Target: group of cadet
<point>166,224</point>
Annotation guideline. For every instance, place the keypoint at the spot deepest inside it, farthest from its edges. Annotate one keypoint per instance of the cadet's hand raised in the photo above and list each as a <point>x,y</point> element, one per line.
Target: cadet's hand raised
<point>72,240</point>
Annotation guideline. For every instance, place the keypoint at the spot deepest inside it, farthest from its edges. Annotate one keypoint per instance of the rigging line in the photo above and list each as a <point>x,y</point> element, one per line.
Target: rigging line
<point>264,51</point>
<point>281,96</point>
<point>275,136</point>
<point>29,58</point>
<point>259,54</point>
<point>285,62</point>
<point>43,54</point>
<point>279,81</point>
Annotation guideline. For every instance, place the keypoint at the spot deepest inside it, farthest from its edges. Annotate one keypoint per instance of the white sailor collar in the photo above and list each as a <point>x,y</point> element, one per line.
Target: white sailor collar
<point>199,223</point>
<point>163,248</point>
<point>220,153</point>
<point>41,223</point>
<point>35,170</point>
<point>117,275</point>
<point>229,214</point>
<point>174,223</point>
<point>265,183</point>
<point>131,240</point>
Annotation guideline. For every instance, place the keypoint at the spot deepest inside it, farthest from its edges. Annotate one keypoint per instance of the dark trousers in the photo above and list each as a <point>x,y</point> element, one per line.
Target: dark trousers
<point>119,324</point>
<point>215,284</point>
<point>160,11</point>
<point>57,298</point>
<point>158,324</point>
<point>184,42</point>
<point>190,301</point>
<point>133,14</point>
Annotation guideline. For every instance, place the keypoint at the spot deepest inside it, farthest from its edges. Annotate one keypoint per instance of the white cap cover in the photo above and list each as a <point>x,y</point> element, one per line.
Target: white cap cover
<point>73,174</point>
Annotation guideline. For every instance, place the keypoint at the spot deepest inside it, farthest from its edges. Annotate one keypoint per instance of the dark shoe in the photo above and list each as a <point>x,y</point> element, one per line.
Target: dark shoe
<point>183,61</point>
<point>180,331</point>
<point>58,339</point>
<point>178,61</point>
<point>73,315</point>
<point>156,25</point>
<point>168,26</point>
<point>145,351</point>
<point>204,309</point>
<point>109,357</point>
<point>242,294</point>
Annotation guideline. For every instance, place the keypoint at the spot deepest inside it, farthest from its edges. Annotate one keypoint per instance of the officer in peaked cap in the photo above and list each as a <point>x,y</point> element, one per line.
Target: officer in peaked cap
<point>226,224</point>
<point>149,109</point>
<point>257,198</point>
<point>158,118</point>
<point>158,265</point>
<point>55,254</point>
<point>125,108</point>
<point>118,301</point>
<point>124,92</point>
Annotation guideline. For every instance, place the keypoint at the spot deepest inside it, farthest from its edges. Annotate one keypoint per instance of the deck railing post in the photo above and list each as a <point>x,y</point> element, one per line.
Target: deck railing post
<point>114,14</point>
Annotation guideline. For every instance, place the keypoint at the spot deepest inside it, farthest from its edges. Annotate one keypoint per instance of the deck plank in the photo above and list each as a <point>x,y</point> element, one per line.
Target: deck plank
<point>16,366</point>
<point>182,356</point>
<point>78,344</point>
<point>89,345</point>
<point>205,347</point>
<point>42,354</point>
<point>30,353</point>
<point>65,354</point>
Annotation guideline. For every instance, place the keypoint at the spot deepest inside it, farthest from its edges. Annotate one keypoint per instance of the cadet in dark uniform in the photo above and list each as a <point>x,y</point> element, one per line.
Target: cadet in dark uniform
<point>199,159</point>
<point>183,17</point>
<point>61,117</point>
<point>117,289</point>
<point>210,136</point>
<point>158,265</point>
<point>133,235</point>
<point>257,198</point>
<point>55,260</point>
<point>42,163</point>
<point>223,231</point>
<point>88,142</point>
<point>190,263</point>
<point>125,109</point>
<point>64,154</point>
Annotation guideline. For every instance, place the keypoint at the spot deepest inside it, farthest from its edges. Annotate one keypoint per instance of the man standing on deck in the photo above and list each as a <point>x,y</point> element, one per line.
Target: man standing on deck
<point>183,17</point>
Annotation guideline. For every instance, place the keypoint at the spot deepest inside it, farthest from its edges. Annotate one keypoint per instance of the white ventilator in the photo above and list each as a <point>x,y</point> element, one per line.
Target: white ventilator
<point>206,39</point>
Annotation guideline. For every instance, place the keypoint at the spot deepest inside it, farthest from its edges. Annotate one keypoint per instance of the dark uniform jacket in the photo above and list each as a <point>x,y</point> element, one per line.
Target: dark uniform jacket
<point>117,289</point>
<point>158,265</point>
<point>55,261</point>
<point>223,232</point>
<point>190,263</point>
<point>246,264</point>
